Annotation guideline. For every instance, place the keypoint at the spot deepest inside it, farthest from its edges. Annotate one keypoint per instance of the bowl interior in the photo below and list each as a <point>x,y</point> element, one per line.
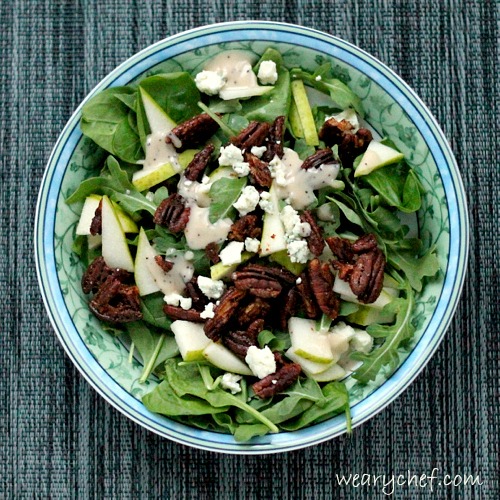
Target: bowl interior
<point>392,110</point>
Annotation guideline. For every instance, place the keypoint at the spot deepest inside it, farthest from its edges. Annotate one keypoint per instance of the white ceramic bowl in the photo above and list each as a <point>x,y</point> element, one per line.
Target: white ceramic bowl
<point>393,110</point>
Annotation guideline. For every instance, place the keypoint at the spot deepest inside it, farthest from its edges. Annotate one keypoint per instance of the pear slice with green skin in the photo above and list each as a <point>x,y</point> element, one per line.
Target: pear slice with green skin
<point>304,112</point>
<point>335,372</point>
<point>191,339</point>
<point>220,271</point>
<point>158,120</point>
<point>308,342</point>
<point>309,367</point>
<point>365,316</point>
<point>223,358</point>
<point>115,250</point>
<point>376,156</point>
<point>273,233</point>
<point>143,277</point>
<point>283,259</point>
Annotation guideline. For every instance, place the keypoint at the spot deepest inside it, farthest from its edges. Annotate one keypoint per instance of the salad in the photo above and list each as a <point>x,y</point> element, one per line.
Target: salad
<point>252,238</point>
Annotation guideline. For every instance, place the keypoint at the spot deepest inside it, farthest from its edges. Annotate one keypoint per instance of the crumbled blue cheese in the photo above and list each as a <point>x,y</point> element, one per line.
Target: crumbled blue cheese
<point>258,151</point>
<point>294,227</point>
<point>232,156</point>
<point>260,361</point>
<point>298,251</point>
<point>247,201</point>
<point>230,382</point>
<point>213,289</point>
<point>231,254</point>
<point>265,202</point>
<point>208,312</point>
<point>252,245</point>
<point>267,74</point>
<point>174,299</point>
<point>210,82</point>
<point>278,171</point>
<point>361,341</point>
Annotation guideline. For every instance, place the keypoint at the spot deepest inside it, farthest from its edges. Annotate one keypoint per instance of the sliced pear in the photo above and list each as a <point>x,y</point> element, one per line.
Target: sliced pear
<point>115,250</point>
<point>335,372</point>
<point>376,156</point>
<point>273,232</point>
<point>220,271</point>
<point>88,212</point>
<point>365,316</point>
<point>304,112</point>
<point>308,342</point>
<point>128,224</point>
<point>283,259</point>
<point>147,178</point>
<point>309,367</point>
<point>229,93</point>
<point>158,120</point>
<point>94,241</point>
<point>143,277</point>
<point>191,339</point>
<point>223,358</point>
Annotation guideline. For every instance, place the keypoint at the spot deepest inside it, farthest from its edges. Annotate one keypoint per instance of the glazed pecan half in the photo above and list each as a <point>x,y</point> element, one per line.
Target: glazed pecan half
<point>315,240</point>
<point>176,312</point>
<point>253,135</point>
<point>212,252</point>
<point>246,227</point>
<point>199,163</point>
<point>223,313</point>
<point>98,272</point>
<point>252,311</point>
<point>306,294</point>
<point>115,302</point>
<point>262,281</point>
<point>238,342</point>
<point>318,158</point>
<point>198,298</point>
<point>96,224</point>
<point>192,132</point>
<point>259,171</point>
<point>275,140</point>
<point>166,265</point>
<point>173,213</point>
<point>321,280</point>
<point>288,307</point>
<point>277,382</point>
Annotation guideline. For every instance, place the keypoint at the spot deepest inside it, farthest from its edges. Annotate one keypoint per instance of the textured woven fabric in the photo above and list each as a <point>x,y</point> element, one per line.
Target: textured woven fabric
<point>59,439</point>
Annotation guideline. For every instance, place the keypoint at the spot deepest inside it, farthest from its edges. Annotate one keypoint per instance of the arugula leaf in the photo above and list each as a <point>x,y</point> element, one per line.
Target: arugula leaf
<point>414,268</point>
<point>224,192</point>
<point>393,335</point>
<point>277,341</point>
<point>152,311</point>
<point>111,123</point>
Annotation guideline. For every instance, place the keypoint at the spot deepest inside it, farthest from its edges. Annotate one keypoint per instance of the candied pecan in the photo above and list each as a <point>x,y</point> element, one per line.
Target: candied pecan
<point>192,132</point>
<point>315,240</point>
<point>288,307</point>
<point>253,135</point>
<point>257,284</point>
<point>199,163</point>
<point>254,328</point>
<point>318,158</point>
<point>321,280</point>
<point>115,302</point>
<point>259,171</point>
<point>166,265</point>
<point>238,342</point>
<point>284,276</point>
<point>277,382</point>
<point>198,298</point>
<point>97,273</point>
<point>246,227</point>
<point>350,144</point>
<point>223,313</point>
<point>172,213</point>
<point>341,248</point>
<point>306,294</point>
<point>212,252</point>
<point>275,140</point>
<point>252,311</point>
<point>365,243</point>
<point>176,312</point>
<point>96,224</point>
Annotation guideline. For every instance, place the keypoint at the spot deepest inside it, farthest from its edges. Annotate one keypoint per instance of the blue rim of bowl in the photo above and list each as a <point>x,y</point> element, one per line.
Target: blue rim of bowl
<point>189,40</point>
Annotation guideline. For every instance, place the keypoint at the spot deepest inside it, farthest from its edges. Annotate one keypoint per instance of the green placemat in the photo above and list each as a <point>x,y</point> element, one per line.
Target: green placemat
<point>60,440</point>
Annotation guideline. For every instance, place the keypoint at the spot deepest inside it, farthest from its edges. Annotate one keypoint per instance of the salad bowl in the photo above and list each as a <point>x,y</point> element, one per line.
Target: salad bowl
<point>392,110</point>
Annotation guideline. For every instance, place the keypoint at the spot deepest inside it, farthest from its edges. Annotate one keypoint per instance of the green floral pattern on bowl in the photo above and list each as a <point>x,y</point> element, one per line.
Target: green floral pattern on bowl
<point>384,114</point>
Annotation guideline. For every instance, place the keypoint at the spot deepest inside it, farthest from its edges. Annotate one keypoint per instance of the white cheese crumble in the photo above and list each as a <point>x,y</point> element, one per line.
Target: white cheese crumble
<point>174,299</point>
<point>258,151</point>
<point>361,341</point>
<point>242,168</point>
<point>265,202</point>
<point>213,289</point>
<point>267,74</point>
<point>298,251</point>
<point>231,254</point>
<point>210,82</point>
<point>208,312</point>
<point>278,171</point>
<point>230,382</point>
<point>260,361</point>
<point>252,245</point>
<point>230,155</point>
<point>292,224</point>
<point>247,201</point>
<point>189,255</point>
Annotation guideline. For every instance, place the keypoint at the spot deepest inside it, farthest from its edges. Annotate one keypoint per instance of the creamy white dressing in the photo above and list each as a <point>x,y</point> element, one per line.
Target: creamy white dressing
<point>175,280</point>
<point>200,232</point>
<point>194,192</point>
<point>297,185</point>
<point>236,67</point>
<point>158,152</point>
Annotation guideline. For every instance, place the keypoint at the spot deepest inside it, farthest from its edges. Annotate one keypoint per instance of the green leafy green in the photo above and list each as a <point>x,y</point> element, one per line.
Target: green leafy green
<point>277,341</point>
<point>224,192</point>
<point>110,121</point>
<point>152,310</point>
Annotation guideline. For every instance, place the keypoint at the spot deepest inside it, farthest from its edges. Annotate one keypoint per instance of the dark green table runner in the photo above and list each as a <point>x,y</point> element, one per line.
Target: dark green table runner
<point>59,439</point>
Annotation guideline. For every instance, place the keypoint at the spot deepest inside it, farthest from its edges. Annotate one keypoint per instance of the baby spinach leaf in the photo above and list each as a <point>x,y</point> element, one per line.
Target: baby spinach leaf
<point>175,93</point>
<point>387,352</point>
<point>245,432</point>
<point>152,310</point>
<point>224,192</point>
<point>110,122</point>
<point>277,341</point>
